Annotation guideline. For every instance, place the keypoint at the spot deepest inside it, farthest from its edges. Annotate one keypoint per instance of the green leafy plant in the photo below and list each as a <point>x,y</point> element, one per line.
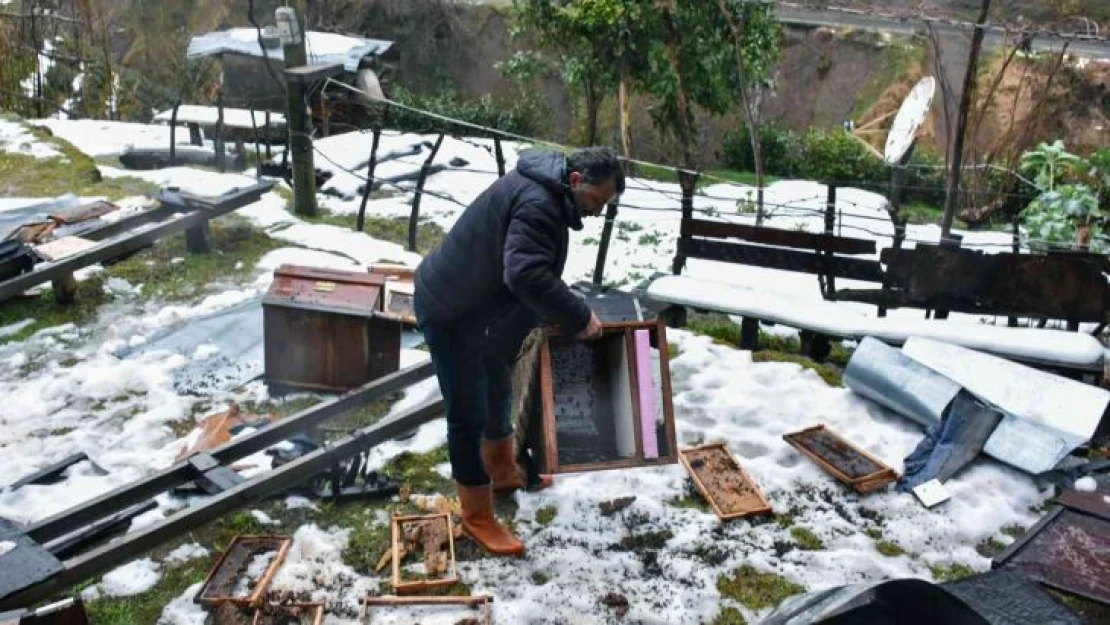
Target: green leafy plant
<point>1069,214</point>
<point>1050,164</point>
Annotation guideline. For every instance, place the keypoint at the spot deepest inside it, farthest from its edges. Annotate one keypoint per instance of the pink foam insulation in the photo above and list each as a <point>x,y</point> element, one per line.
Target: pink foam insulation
<point>646,383</point>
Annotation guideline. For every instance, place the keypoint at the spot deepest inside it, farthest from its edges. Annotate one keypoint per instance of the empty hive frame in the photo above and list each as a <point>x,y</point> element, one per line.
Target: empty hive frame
<point>728,488</point>
<point>299,613</point>
<point>602,404</point>
<point>440,540</point>
<point>219,585</point>
<point>841,459</point>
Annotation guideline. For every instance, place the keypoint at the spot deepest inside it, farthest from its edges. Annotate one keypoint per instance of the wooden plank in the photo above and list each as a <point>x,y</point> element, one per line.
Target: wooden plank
<point>752,503</point>
<point>784,259</point>
<point>1055,286</point>
<point>776,236</point>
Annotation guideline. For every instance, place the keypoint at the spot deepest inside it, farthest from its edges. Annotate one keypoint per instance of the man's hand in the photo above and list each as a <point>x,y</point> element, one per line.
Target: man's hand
<point>592,330</point>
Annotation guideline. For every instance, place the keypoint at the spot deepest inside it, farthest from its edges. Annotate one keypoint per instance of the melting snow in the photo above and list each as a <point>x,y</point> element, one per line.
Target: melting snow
<point>132,578</point>
<point>1086,484</point>
<point>184,553</point>
<point>15,139</point>
<point>6,546</point>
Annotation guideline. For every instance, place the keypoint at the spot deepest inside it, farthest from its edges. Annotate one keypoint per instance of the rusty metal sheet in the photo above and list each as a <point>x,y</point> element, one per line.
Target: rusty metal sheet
<point>83,213</point>
<point>1095,503</point>
<point>1061,286</point>
<point>326,290</point>
<point>1066,550</point>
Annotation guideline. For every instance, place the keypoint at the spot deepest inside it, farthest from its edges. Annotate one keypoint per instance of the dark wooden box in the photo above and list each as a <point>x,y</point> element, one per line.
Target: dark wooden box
<point>325,330</point>
<point>580,404</point>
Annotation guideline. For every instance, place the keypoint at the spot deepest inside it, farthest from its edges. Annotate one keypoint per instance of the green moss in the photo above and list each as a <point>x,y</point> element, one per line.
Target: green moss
<point>673,350</point>
<point>691,498</point>
<point>235,247</point>
<point>1013,531</point>
<point>46,312</point>
<point>784,520</point>
<point>647,541</point>
<point>74,172</point>
<point>830,374</point>
<point>889,549</point>
<point>729,616</point>
<point>418,470</point>
<point>716,326</point>
<point>366,543</point>
<point>756,590</point>
<point>990,547</point>
<point>950,572</point>
<point>874,534</point>
<point>546,514</point>
<point>540,578</point>
<point>806,539</point>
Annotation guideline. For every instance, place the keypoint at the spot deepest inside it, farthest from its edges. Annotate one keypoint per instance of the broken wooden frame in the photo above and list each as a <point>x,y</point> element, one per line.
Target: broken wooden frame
<point>62,575</point>
<point>308,613</point>
<point>614,394</point>
<point>237,557</point>
<point>841,459</point>
<point>197,212</point>
<point>747,500</point>
<point>397,527</point>
<point>481,602</point>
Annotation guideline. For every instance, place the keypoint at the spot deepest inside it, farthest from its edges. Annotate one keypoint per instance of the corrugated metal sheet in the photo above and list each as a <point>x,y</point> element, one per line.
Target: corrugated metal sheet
<point>321,47</point>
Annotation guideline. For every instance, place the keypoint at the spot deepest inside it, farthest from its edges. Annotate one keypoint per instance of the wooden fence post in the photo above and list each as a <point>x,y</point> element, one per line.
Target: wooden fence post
<point>361,221</point>
<point>414,218</point>
<point>606,236</point>
<point>688,180</point>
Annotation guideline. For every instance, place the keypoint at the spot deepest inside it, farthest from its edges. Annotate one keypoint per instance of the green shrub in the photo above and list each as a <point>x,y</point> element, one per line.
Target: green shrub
<point>524,115</point>
<point>782,150</point>
<point>834,156</point>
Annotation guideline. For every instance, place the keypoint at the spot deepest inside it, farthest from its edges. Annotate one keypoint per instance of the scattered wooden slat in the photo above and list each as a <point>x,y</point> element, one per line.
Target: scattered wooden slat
<point>400,547</point>
<point>728,488</point>
<point>840,458</point>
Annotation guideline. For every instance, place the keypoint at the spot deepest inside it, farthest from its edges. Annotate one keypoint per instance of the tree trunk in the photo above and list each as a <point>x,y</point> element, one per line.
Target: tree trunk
<point>592,104</point>
<point>685,136</point>
<point>625,100</point>
<point>749,111</point>
<point>953,191</point>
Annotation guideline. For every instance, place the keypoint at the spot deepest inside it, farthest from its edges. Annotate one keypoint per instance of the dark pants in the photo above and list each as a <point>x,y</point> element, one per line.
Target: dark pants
<point>477,394</point>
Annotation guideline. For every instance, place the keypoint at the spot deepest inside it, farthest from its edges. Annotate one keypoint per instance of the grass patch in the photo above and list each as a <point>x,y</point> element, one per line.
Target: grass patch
<point>74,172</point>
<point>392,229</point>
<point>546,514</point>
<point>235,247</point>
<point>740,177</point>
<point>756,590</point>
<point>889,549</point>
<point>784,520</point>
<point>950,572</point>
<point>418,470</point>
<point>47,312</point>
<point>540,578</point>
<point>990,547</point>
<point>673,350</point>
<point>716,326</point>
<point>367,541</point>
<point>1013,531</point>
<point>729,616</point>
<point>806,539</point>
<point>147,607</point>
<point>691,499</point>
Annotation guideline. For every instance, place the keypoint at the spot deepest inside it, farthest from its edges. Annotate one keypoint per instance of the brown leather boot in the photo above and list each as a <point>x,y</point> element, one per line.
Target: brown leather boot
<point>499,459</point>
<point>479,523</point>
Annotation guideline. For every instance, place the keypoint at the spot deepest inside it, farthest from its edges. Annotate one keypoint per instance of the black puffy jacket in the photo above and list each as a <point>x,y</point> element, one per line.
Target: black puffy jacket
<point>498,273</point>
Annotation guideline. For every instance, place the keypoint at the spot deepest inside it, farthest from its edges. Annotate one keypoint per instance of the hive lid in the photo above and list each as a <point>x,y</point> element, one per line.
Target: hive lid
<point>326,290</point>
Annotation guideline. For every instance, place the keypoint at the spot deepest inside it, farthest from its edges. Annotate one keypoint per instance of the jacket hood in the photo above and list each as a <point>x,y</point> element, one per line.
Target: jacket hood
<point>549,168</point>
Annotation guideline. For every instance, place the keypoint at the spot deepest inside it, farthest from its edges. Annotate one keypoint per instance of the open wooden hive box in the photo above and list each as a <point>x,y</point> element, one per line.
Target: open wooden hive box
<point>597,405</point>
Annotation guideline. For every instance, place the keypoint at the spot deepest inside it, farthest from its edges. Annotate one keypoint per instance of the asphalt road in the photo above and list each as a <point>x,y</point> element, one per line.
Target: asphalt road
<point>995,36</point>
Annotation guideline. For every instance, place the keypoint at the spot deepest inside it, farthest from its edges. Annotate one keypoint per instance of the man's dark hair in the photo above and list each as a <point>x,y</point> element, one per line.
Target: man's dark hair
<point>597,165</point>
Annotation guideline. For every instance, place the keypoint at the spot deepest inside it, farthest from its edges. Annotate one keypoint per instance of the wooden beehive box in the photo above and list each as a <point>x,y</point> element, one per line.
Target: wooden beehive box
<point>326,330</point>
<point>598,405</point>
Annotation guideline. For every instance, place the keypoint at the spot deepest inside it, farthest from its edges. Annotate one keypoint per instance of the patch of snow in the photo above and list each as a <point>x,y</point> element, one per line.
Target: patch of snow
<point>183,610</point>
<point>130,579</point>
<point>15,328</point>
<point>1086,484</point>
<point>444,470</point>
<point>210,116</point>
<point>315,565</point>
<point>205,351</point>
<point>184,553</point>
<point>263,518</point>
<point>6,546</point>
<point>16,139</point>
<point>296,502</point>
<point>98,138</point>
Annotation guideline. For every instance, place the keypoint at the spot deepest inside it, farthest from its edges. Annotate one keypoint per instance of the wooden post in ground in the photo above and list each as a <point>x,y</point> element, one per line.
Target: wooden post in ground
<point>196,239</point>
<point>173,133</point>
<point>606,236</point>
<point>360,223</point>
<point>414,218</point>
<point>221,148</point>
<point>297,122</point>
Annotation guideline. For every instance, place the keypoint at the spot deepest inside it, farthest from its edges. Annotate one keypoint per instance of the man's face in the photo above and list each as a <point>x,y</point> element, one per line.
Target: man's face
<point>591,199</point>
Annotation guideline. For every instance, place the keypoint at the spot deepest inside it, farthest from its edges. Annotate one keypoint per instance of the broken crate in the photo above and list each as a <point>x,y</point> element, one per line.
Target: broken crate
<point>598,405</point>
<point>841,459</point>
<point>245,570</point>
<point>435,534</point>
<point>723,482</point>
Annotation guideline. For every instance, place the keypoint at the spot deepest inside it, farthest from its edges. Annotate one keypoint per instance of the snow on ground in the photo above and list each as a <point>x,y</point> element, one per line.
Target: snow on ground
<point>130,579</point>
<point>15,139</point>
<point>98,138</point>
<point>184,553</point>
<point>67,391</point>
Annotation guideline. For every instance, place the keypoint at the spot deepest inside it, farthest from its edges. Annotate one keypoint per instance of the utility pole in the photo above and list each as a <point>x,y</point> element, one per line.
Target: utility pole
<point>957,156</point>
<point>291,23</point>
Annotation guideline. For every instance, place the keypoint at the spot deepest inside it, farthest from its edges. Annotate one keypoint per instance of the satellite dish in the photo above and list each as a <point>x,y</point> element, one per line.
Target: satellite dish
<point>909,119</point>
